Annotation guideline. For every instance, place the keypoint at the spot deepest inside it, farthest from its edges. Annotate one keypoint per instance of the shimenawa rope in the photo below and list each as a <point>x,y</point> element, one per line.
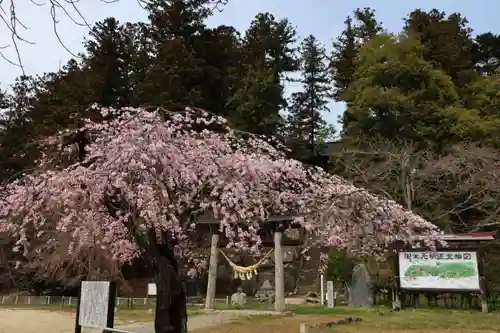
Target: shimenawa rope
<point>245,273</point>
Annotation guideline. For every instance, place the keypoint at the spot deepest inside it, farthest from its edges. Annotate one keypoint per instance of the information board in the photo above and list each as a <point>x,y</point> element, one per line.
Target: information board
<point>94,304</point>
<point>446,270</point>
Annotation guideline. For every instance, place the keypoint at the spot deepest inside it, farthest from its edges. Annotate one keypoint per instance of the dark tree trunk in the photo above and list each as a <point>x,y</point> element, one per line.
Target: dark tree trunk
<point>171,314</point>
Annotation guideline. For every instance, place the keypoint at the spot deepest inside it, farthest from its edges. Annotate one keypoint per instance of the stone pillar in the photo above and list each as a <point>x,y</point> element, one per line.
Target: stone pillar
<point>322,290</point>
<point>279,271</point>
<point>212,272</point>
<point>330,294</point>
<point>482,296</point>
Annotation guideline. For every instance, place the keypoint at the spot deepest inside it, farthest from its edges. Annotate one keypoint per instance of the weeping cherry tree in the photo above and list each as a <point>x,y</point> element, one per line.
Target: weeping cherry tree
<point>145,176</point>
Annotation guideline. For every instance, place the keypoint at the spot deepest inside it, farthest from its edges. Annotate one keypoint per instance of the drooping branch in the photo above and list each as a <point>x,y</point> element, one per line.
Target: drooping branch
<point>150,176</point>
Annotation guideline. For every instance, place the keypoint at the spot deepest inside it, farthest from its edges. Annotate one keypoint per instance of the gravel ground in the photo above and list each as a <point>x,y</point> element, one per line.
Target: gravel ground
<point>39,321</point>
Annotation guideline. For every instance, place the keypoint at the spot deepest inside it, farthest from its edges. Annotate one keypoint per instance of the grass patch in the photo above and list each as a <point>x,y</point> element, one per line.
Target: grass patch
<point>373,320</point>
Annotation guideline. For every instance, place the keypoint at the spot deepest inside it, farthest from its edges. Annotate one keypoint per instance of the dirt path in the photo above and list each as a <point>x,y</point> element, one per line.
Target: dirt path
<point>201,321</point>
<point>40,321</point>
<point>17,321</point>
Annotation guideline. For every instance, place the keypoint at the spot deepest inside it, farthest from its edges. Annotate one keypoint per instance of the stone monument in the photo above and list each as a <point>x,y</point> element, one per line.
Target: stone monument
<point>239,298</point>
<point>360,293</point>
<point>266,289</point>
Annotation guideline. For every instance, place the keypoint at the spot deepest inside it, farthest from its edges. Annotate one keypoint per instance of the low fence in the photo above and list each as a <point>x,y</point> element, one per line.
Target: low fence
<point>121,302</point>
<point>38,300</point>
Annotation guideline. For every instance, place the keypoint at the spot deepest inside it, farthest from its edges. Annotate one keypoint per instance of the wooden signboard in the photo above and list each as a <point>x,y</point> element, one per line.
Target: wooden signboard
<point>96,305</point>
<point>442,270</point>
<point>151,289</point>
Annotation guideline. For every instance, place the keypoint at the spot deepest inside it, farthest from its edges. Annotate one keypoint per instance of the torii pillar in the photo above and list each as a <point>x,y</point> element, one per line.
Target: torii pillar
<point>212,271</point>
<point>279,271</point>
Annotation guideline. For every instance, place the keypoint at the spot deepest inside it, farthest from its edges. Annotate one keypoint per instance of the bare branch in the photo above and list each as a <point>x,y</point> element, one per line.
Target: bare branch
<point>460,189</point>
<point>13,23</point>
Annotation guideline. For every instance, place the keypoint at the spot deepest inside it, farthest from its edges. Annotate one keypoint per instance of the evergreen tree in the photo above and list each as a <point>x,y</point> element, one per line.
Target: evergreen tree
<point>223,69</point>
<point>17,151</point>
<point>174,80</point>
<point>63,99</point>
<point>342,65</point>
<point>399,96</point>
<point>268,56</point>
<point>306,127</point>
<point>346,47</point>
<point>193,64</point>
<point>142,53</point>
<point>446,42</point>
<point>108,63</point>
<point>183,19</point>
<point>368,26</point>
<point>268,43</point>
<point>103,76</point>
<point>254,103</point>
<point>4,104</point>
<point>174,77</point>
<point>486,53</point>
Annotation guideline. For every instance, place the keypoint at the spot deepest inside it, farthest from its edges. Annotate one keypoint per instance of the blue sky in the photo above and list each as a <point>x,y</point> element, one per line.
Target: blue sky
<point>322,18</point>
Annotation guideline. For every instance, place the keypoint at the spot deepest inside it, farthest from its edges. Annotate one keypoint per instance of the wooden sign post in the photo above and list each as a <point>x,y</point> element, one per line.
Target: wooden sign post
<point>96,305</point>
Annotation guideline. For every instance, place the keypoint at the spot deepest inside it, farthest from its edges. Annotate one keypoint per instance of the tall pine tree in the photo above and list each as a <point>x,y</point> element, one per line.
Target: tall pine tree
<point>170,19</point>
<point>268,56</point>
<point>363,28</point>
<point>307,129</point>
<point>342,65</point>
<point>255,103</point>
<point>108,61</point>
<point>269,44</point>
<point>193,64</point>
<point>174,79</point>
<point>17,151</point>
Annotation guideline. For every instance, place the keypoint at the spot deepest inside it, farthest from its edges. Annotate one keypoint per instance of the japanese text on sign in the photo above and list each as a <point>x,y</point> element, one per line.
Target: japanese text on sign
<point>438,256</point>
<point>94,298</point>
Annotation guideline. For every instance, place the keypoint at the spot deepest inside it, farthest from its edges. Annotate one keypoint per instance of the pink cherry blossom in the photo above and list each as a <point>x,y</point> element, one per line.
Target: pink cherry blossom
<point>170,169</point>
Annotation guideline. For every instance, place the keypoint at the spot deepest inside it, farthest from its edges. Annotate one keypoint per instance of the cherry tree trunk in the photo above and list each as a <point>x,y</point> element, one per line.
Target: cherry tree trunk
<point>171,314</point>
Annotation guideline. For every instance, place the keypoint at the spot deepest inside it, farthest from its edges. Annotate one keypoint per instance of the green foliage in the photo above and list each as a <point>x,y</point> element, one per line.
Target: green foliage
<point>397,94</point>
<point>173,80</point>
<point>446,41</point>
<point>339,269</point>
<point>256,103</point>
<point>109,63</point>
<point>485,53</point>
<point>268,44</point>
<point>267,55</point>
<point>346,47</point>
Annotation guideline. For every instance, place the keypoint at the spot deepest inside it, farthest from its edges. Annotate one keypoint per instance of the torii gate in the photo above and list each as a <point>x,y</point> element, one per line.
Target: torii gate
<point>274,228</point>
